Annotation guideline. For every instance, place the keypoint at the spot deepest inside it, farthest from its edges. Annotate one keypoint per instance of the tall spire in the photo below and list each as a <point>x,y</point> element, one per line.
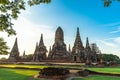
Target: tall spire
<point>35,56</point>
<point>24,53</point>
<point>15,47</point>
<point>36,48</point>
<point>88,52</point>
<point>78,38</point>
<point>87,43</point>
<point>14,54</point>
<point>24,56</point>
<point>49,55</point>
<point>69,49</point>
<point>50,49</point>
<point>41,43</point>
<point>59,35</point>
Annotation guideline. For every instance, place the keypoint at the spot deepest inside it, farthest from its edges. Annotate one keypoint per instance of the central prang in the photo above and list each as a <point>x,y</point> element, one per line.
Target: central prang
<point>59,51</point>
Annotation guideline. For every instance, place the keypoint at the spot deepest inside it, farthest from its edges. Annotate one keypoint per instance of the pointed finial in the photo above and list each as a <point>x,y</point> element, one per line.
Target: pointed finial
<point>36,48</point>
<point>41,38</point>
<point>50,49</point>
<point>16,40</point>
<point>49,54</point>
<point>78,34</point>
<point>24,53</point>
<point>69,48</point>
<point>41,43</point>
<point>36,44</point>
<point>77,29</point>
<point>59,27</point>
<point>15,45</point>
<point>78,38</point>
<point>87,42</point>
<point>14,54</point>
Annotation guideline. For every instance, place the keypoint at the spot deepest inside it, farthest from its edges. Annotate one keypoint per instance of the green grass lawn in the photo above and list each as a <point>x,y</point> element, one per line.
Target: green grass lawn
<point>20,74</point>
<point>97,77</point>
<point>16,74</point>
<point>113,70</point>
<point>106,70</point>
<point>37,66</point>
<point>24,66</point>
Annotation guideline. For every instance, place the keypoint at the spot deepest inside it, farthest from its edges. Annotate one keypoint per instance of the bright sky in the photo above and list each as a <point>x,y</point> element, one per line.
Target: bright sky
<point>100,24</point>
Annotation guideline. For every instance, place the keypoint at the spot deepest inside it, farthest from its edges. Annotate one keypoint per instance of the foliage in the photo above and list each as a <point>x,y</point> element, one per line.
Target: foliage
<point>3,47</point>
<point>3,58</point>
<point>16,74</point>
<point>29,57</point>
<point>10,9</point>
<point>36,2</point>
<point>110,57</point>
<point>107,3</point>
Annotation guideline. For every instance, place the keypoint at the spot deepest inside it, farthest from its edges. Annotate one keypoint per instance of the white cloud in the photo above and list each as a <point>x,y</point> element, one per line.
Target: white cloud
<point>115,31</point>
<point>114,24</point>
<point>109,44</point>
<point>117,40</point>
<point>29,33</point>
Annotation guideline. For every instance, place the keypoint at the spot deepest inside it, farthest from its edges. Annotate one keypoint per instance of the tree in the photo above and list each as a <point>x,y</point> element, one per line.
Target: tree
<point>29,56</point>
<point>110,57</point>
<point>10,9</point>
<point>108,2</point>
<point>3,59</point>
<point>3,47</point>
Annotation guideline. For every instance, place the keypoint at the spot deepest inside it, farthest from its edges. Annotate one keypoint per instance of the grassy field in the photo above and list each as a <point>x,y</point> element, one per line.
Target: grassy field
<point>106,70</point>
<point>113,70</point>
<point>97,77</point>
<point>38,66</point>
<point>16,74</point>
<point>24,66</point>
<point>20,74</point>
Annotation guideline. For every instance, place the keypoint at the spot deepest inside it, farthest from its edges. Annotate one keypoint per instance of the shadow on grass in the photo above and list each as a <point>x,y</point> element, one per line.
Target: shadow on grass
<point>9,74</point>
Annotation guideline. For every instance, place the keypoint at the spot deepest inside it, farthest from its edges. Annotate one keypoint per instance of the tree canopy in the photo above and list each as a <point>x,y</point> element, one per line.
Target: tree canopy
<point>107,3</point>
<point>3,47</point>
<point>110,57</point>
<point>10,9</point>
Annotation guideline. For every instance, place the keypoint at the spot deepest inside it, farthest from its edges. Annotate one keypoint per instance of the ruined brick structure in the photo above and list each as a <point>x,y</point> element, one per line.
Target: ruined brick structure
<point>14,54</point>
<point>59,53</point>
<point>40,51</point>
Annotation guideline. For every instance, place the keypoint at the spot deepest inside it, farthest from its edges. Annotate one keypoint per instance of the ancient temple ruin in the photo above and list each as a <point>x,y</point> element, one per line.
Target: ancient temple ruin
<point>59,53</point>
<point>14,54</point>
<point>40,51</point>
<point>78,52</point>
